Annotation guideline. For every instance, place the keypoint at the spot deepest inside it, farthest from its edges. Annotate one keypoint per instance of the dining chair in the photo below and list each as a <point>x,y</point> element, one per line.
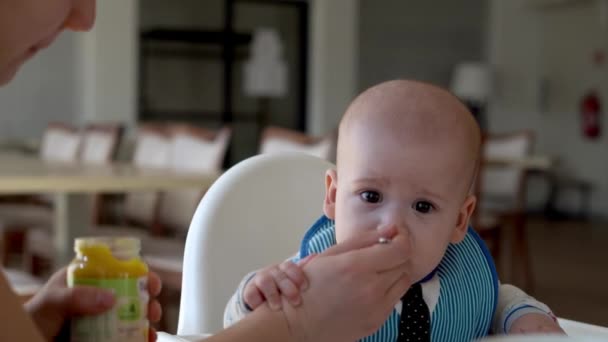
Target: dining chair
<point>152,151</point>
<point>60,144</point>
<point>99,143</point>
<point>138,212</point>
<point>501,193</point>
<point>277,139</point>
<point>179,148</point>
<point>193,150</point>
<point>253,215</point>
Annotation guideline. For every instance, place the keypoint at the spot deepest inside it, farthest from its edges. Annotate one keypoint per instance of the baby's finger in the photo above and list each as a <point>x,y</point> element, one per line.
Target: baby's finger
<point>295,274</point>
<point>268,287</point>
<point>287,288</point>
<point>306,260</point>
<point>252,296</point>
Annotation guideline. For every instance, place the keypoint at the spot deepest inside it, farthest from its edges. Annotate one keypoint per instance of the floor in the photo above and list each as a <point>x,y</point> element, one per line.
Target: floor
<point>570,267</point>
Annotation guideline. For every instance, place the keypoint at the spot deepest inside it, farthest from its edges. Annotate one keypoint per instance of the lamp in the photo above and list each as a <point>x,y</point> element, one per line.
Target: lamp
<point>471,82</point>
<point>265,73</point>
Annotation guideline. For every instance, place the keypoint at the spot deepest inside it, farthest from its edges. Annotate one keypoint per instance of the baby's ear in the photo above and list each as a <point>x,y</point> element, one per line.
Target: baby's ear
<point>331,183</point>
<point>464,216</point>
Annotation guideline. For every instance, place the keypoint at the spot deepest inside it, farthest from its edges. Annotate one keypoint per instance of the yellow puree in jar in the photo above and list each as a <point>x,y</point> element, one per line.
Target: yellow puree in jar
<point>98,263</point>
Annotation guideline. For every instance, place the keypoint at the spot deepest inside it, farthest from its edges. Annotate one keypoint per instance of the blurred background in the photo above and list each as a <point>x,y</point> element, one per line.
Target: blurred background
<point>278,74</point>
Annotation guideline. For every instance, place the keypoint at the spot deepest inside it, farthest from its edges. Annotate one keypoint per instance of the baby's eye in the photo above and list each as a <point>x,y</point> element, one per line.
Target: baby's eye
<point>423,207</point>
<point>371,196</point>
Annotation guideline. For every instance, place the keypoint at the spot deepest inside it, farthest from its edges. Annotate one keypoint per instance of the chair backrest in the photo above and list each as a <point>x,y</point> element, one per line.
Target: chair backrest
<point>280,140</point>
<point>152,150</point>
<point>152,147</point>
<point>502,185</point>
<point>99,143</point>
<point>255,214</point>
<point>193,150</point>
<point>60,143</point>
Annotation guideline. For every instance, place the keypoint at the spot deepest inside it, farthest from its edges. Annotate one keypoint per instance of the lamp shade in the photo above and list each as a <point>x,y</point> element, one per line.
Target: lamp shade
<point>472,81</point>
<point>265,72</point>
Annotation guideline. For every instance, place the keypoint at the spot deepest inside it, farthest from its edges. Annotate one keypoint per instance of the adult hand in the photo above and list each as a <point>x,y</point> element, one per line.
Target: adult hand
<point>353,288</point>
<point>55,304</point>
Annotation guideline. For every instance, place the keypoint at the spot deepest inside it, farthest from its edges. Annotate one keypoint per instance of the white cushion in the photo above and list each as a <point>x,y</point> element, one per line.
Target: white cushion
<point>60,145</point>
<point>321,149</point>
<point>152,151</point>
<point>191,154</point>
<point>97,147</point>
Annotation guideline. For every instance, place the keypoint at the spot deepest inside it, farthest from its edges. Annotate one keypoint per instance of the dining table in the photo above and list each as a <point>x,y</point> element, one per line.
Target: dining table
<point>72,184</point>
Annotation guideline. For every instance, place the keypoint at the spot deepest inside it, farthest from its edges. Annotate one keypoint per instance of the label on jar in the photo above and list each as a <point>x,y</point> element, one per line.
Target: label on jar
<point>125,322</point>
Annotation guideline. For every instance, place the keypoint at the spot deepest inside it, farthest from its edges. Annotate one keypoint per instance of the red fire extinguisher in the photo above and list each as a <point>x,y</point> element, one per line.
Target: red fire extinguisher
<point>591,111</point>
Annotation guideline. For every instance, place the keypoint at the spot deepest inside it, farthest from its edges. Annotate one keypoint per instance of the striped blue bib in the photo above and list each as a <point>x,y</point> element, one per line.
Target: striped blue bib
<point>468,288</point>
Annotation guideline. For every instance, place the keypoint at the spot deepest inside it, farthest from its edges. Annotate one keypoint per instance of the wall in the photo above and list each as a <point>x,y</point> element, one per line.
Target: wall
<point>334,58</point>
<point>195,85</point>
<point>93,76</point>
<point>42,91</point>
<point>108,64</point>
<point>418,39</point>
<point>82,77</point>
<point>528,46</point>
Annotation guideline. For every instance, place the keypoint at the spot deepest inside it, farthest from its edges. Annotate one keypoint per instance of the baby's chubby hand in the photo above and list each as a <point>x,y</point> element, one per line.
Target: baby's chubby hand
<point>535,323</point>
<point>269,284</point>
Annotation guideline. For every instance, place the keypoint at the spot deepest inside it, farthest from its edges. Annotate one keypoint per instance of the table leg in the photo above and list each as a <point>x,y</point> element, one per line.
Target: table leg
<point>72,219</point>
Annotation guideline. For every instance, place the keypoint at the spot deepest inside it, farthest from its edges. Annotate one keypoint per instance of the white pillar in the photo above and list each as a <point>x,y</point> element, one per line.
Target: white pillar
<point>109,65</point>
<point>333,61</point>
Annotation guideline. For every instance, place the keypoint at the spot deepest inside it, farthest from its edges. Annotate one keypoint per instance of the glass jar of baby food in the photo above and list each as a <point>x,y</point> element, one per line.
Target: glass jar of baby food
<point>112,263</point>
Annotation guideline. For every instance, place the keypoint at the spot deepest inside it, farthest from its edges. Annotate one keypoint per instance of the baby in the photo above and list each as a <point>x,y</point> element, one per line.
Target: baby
<point>408,154</point>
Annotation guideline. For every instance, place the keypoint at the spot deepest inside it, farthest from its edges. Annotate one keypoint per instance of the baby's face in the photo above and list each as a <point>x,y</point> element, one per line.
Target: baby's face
<point>421,187</point>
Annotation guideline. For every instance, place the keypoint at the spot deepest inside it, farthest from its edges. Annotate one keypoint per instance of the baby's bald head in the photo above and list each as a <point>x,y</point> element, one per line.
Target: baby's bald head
<point>415,113</point>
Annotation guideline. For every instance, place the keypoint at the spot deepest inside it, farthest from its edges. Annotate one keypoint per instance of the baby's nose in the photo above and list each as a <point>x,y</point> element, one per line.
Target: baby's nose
<point>401,228</point>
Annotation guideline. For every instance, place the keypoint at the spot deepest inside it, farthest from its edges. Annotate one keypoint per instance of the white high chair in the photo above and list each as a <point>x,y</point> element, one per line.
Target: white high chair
<point>255,214</point>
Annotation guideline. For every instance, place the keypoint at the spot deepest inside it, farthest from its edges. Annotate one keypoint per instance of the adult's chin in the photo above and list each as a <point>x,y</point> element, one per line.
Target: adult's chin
<point>8,73</point>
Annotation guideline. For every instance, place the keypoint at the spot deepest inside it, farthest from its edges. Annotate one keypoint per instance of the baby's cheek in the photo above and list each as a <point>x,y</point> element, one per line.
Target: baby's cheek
<point>427,255</point>
<point>345,232</point>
